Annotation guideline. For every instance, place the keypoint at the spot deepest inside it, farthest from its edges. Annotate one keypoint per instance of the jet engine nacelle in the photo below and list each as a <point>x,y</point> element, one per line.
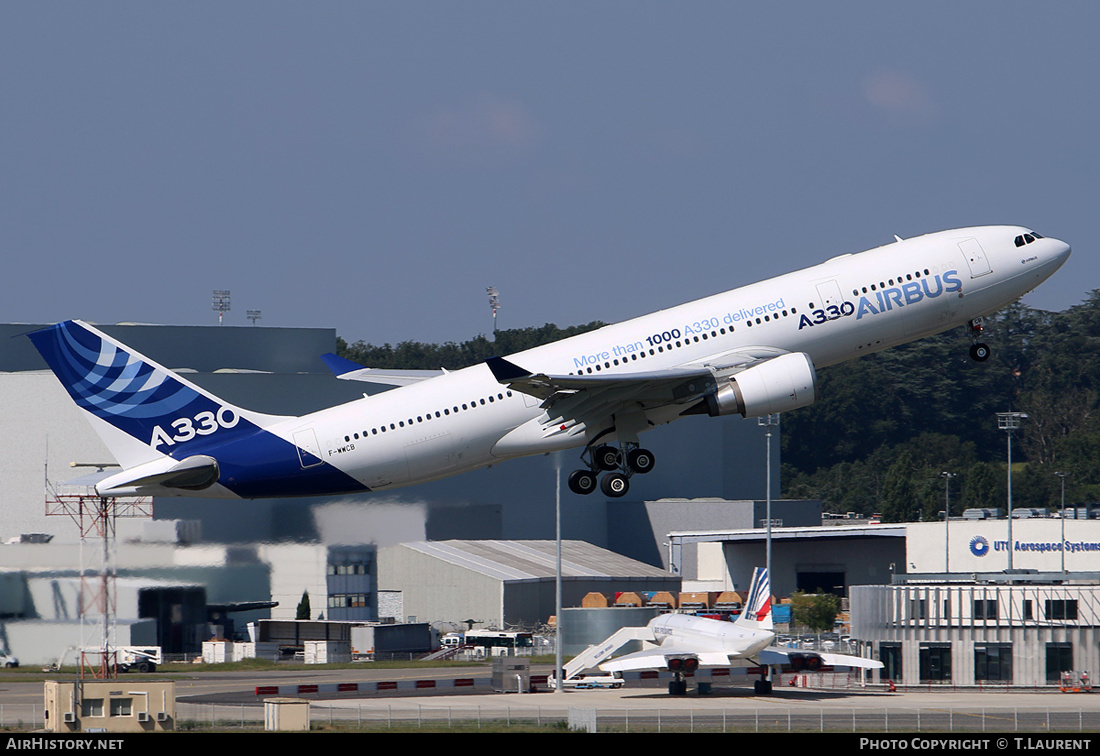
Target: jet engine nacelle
<point>686,664</point>
<point>808,662</point>
<point>782,383</point>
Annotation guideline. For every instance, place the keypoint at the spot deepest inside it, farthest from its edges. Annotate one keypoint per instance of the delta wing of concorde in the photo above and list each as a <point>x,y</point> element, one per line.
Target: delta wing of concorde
<point>750,351</point>
<point>683,643</point>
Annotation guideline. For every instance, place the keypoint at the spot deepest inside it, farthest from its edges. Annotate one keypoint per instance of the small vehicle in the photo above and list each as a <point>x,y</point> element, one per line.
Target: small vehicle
<point>583,682</point>
<point>137,658</point>
<point>8,661</point>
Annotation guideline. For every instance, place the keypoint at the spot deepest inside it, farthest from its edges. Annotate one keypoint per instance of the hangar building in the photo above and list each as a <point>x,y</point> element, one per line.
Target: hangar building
<point>442,580</point>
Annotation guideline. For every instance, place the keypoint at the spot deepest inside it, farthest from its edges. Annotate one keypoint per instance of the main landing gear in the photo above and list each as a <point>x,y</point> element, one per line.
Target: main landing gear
<point>763,686</point>
<point>619,467</point>
<point>979,352</point>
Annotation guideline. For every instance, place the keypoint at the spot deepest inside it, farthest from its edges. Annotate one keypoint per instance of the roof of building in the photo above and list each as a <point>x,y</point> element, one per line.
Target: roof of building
<point>819,532</point>
<point>536,560</point>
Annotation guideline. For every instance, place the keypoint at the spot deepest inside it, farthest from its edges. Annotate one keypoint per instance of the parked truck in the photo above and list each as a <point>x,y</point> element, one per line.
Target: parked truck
<point>137,658</point>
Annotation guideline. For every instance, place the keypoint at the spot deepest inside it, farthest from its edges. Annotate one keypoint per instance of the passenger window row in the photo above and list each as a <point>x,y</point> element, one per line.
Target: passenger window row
<point>678,344</point>
<point>891,282</point>
<point>428,416</point>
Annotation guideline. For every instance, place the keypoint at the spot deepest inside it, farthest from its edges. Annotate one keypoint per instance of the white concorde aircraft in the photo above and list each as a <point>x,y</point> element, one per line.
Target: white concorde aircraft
<point>751,351</point>
<point>682,644</point>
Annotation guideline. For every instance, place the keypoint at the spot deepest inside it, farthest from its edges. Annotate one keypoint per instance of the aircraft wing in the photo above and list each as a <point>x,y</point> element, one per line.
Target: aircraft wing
<point>580,396</point>
<point>347,370</point>
<point>799,658</point>
<point>657,658</point>
<point>583,397</point>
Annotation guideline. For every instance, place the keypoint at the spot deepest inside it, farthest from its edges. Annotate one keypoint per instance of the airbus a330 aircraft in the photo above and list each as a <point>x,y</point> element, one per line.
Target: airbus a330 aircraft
<point>684,643</point>
<point>751,351</point>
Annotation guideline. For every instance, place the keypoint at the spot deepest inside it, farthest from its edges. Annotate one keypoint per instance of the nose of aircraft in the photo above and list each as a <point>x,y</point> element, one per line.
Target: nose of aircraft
<point>1054,252</point>
<point>1059,250</point>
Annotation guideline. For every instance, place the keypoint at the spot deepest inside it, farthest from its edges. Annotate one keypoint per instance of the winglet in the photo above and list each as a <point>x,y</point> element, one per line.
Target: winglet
<point>505,371</point>
<point>339,365</point>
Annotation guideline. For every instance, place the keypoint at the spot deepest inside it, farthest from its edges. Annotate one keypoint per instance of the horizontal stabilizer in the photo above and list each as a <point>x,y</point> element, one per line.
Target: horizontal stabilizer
<point>346,370</point>
<point>339,365</point>
<point>191,474</point>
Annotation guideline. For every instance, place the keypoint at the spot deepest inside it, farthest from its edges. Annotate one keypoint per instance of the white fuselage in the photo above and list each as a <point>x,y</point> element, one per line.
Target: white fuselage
<point>709,635</point>
<point>846,307</point>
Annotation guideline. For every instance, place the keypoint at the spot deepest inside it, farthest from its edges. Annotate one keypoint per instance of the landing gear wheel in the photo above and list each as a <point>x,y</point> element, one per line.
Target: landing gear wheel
<point>677,687</point>
<point>640,460</point>
<point>762,687</point>
<point>606,457</point>
<point>582,482</point>
<point>979,352</point>
<point>614,485</point>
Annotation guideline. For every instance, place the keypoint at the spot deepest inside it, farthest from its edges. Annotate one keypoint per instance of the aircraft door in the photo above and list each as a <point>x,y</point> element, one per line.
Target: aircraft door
<point>309,451</point>
<point>829,293</point>
<point>975,257</point>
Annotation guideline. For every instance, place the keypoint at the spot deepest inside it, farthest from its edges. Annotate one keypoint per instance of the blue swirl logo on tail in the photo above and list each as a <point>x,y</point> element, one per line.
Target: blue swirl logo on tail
<point>130,392</point>
<point>108,381</point>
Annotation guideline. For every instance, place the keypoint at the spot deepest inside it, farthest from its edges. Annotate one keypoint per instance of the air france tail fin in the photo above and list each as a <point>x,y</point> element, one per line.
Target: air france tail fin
<point>142,411</point>
<point>757,612</point>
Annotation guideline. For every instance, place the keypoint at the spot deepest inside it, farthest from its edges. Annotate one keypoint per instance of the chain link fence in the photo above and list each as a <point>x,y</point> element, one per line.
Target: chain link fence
<point>771,719</point>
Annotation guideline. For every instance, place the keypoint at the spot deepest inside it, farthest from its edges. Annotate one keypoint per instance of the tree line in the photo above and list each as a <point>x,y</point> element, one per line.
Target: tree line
<point>886,426</point>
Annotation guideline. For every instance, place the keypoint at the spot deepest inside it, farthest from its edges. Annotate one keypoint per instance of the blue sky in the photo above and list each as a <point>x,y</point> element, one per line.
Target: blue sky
<point>374,166</point>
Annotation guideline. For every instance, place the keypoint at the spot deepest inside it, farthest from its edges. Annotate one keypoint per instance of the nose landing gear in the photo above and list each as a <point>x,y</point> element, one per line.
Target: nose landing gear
<point>979,352</point>
<point>617,465</point>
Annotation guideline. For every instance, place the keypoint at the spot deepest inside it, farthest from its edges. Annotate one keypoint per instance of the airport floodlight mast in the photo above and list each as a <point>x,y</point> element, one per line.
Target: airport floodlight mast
<point>1008,422</point>
<point>220,303</point>
<point>947,476</point>
<point>768,422</point>
<point>494,304</point>
<point>254,315</point>
<point>1062,548</point>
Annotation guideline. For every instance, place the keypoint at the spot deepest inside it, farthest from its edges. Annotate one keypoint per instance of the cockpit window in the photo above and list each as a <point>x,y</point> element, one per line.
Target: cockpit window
<point>1027,238</point>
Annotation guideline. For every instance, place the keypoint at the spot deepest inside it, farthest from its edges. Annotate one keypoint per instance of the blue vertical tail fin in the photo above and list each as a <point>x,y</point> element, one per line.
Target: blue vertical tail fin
<point>141,410</point>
